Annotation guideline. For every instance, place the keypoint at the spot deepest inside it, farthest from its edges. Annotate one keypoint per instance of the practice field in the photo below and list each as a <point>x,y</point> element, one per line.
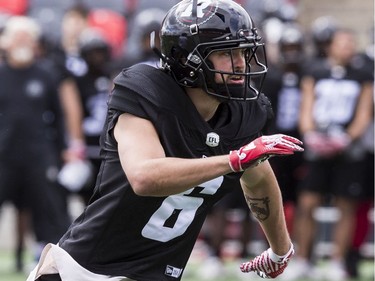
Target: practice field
<point>232,273</point>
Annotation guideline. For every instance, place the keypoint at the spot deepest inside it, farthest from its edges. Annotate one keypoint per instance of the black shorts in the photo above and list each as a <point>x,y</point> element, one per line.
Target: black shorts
<point>337,176</point>
<point>233,200</point>
<point>369,178</point>
<point>49,277</point>
<point>288,173</point>
<point>28,187</point>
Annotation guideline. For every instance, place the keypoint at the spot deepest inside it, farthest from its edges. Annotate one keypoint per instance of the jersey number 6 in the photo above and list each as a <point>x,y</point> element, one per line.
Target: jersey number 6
<point>177,212</point>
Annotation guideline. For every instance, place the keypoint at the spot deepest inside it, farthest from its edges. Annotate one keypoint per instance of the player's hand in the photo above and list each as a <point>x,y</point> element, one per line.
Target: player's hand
<point>317,143</point>
<point>339,142</point>
<point>324,145</point>
<point>75,151</point>
<point>261,149</point>
<point>268,264</point>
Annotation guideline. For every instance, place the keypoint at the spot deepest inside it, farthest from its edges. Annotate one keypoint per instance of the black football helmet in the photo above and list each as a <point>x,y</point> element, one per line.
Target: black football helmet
<point>194,29</point>
<point>291,44</point>
<point>322,30</point>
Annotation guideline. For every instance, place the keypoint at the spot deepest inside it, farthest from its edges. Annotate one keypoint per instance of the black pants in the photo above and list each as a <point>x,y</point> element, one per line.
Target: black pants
<point>33,191</point>
<point>49,277</point>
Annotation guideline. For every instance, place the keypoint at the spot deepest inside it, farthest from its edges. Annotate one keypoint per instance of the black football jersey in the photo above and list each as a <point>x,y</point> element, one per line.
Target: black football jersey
<point>283,89</point>
<point>93,92</point>
<point>30,114</point>
<point>337,90</point>
<point>151,238</point>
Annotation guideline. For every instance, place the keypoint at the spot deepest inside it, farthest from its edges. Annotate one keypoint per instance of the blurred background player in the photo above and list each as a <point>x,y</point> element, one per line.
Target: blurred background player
<point>139,48</point>
<point>336,109</point>
<point>283,90</point>
<point>70,65</point>
<point>365,61</point>
<point>32,138</point>
<point>94,86</point>
<point>322,30</point>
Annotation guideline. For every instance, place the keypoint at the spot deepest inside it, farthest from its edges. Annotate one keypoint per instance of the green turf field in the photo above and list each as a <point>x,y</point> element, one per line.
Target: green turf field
<point>7,272</point>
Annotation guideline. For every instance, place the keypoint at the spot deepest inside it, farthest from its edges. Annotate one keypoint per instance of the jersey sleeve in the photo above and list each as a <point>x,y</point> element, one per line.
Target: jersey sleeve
<point>141,90</point>
<point>126,100</point>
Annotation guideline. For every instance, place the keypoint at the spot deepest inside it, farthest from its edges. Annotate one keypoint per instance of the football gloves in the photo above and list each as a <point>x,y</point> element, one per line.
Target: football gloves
<point>268,264</point>
<point>261,149</point>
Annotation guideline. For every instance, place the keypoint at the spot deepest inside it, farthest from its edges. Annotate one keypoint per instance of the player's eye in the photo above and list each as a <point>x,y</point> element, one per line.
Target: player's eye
<point>226,53</point>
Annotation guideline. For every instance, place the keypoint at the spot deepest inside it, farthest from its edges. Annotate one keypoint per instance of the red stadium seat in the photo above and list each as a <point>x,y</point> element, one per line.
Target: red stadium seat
<point>113,27</point>
<point>14,7</point>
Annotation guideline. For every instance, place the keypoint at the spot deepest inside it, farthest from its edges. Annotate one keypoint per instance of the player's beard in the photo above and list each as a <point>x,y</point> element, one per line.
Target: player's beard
<point>237,91</point>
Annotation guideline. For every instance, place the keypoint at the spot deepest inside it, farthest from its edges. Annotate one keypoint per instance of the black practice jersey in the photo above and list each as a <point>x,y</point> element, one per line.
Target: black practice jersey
<point>94,90</point>
<point>30,115</point>
<point>151,238</point>
<point>337,90</point>
<point>282,87</point>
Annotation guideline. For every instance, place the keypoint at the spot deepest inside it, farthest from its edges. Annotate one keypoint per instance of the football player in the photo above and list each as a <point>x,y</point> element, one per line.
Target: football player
<point>336,110</point>
<point>174,142</point>
<point>31,126</point>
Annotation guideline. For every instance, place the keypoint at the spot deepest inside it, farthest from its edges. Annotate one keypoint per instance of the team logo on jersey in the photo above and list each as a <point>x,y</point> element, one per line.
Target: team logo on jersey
<point>173,271</point>
<point>35,89</point>
<point>212,139</point>
<point>206,9</point>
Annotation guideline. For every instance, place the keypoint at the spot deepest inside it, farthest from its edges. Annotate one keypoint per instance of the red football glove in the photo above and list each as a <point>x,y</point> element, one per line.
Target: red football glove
<point>261,149</point>
<point>268,264</point>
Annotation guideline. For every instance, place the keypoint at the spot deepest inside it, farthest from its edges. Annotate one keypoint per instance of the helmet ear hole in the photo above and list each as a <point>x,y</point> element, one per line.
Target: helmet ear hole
<point>179,54</point>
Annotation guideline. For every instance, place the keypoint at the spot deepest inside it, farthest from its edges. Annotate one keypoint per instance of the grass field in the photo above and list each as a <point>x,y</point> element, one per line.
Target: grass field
<point>7,272</point>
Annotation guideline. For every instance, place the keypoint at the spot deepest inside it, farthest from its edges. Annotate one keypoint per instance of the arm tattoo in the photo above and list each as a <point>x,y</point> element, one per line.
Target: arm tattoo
<point>259,207</point>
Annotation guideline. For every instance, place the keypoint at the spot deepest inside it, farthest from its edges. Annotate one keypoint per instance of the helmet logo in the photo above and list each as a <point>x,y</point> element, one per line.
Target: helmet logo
<point>212,139</point>
<point>206,9</point>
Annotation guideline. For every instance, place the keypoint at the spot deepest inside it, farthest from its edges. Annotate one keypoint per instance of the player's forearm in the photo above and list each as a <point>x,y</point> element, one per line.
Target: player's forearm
<point>306,123</point>
<point>265,202</point>
<point>167,176</point>
<point>72,109</point>
<point>275,228</point>
<point>364,113</point>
